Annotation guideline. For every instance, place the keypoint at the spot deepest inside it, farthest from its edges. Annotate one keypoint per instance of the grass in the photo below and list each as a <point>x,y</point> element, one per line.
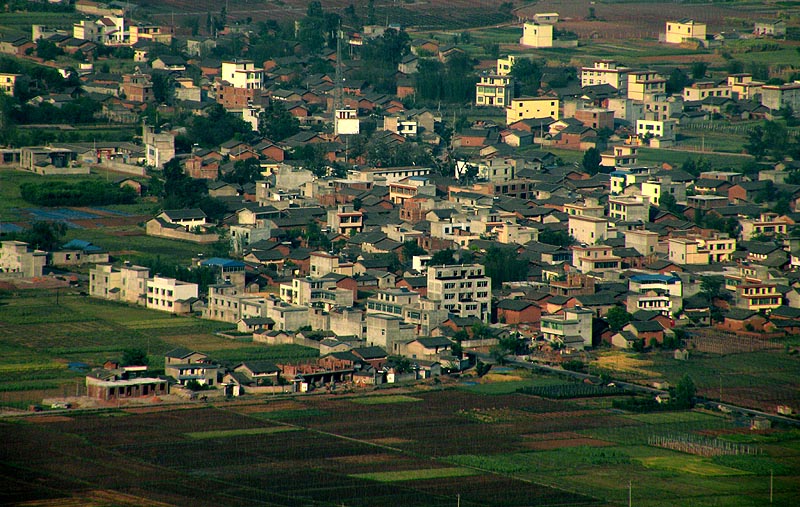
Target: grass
<point>385,400</point>
<point>290,414</point>
<point>417,475</point>
<point>691,465</point>
<point>203,435</point>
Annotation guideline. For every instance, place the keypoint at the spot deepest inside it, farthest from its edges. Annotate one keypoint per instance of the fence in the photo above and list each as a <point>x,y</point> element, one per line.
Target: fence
<point>700,446</point>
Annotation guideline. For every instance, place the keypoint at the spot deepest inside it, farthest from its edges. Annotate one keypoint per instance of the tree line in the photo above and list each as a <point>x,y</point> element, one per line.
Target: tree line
<point>80,193</point>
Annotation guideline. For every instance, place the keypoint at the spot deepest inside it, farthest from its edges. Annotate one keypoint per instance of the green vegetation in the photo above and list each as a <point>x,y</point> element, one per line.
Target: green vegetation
<point>383,400</point>
<point>571,390</point>
<point>204,435</point>
<point>290,414</point>
<point>417,475</point>
<point>81,193</point>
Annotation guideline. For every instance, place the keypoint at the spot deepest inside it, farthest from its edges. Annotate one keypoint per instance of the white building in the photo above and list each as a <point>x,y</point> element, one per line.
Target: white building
<point>463,289</point>
<point>606,72</point>
<point>18,260</point>
<point>528,108</point>
<point>684,30</point>
<point>242,74</point>
<point>573,329</point>
<point>537,35</point>
<point>163,293</point>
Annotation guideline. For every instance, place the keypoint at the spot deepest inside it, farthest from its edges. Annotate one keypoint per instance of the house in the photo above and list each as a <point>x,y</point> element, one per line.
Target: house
<point>683,30</point>
<point>518,311</point>
<point>528,108</point>
<point>18,260</point>
<point>646,330</point>
<point>78,252</point>
<point>262,373</point>
<point>188,218</point>
<point>428,347</point>
<point>494,90</point>
<point>122,383</point>
<point>770,27</point>
<point>185,366</point>
<point>254,324</point>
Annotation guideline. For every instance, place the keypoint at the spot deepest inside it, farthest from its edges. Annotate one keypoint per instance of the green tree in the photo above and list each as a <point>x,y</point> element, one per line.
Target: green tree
<point>410,249</point>
<point>276,123</point>
<point>503,265</point>
<point>134,357</point>
<point>558,238</point>
<point>699,70</point>
<point>591,161</point>
<point>677,81</point>
<point>47,50</point>
<point>482,368</point>
<point>667,201</point>
<point>45,236</point>
<point>527,76</point>
<point>244,171</point>
<point>617,317</point>
<point>685,392</point>
<point>711,287</point>
<point>442,257</point>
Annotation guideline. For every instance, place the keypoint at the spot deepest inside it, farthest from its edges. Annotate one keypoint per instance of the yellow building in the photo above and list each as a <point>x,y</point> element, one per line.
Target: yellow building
<point>700,90</point>
<point>494,90</point>
<point>528,108</point>
<point>606,72</point>
<point>644,83</point>
<point>504,65</point>
<point>8,83</point>
<point>683,30</point>
<point>537,35</point>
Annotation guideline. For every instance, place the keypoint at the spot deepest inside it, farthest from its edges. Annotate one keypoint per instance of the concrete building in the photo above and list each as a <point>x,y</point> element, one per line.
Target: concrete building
<point>588,230</point>
<point>629,208</point>
<point>599,258</point>
<point>683,30</point>
<point>8,83</point>
<point>607,72</point>
<point>687,251</point>
<point>463,289</point>
<point>126,283</point>
<point>18,260</point>
<point>529,108</point>
<point>767,224</point>
<point>227,303</point>
<point>159,146</point>
<point>776,97</point>
<point>596,118</point>
<point>743,87</point>
<point>573,329</point>
<point>644,242</point>
<point>494,90</point>
<point>700,90</point>
<point>242,74</point>
<point>656,187</point>
<point>645,82</point>
<point>662,131</point>
<point>537,35</point>
<point>163,293</point>
<point>345,218</point>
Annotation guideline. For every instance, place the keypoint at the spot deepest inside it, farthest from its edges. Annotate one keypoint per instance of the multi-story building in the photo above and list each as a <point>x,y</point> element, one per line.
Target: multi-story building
<point>163,293</point>
<point>127,283</point>
<point>159,146</point>
<point>345,218</point>
<point>590,208</point>
<point>573,329</point>
<point>660,106</point>
<point>242,74</point>
<point>504,65</point>
<point>227,303</point>
<point>494,90</point>
<point>529,108</point>
<point>317,293</point>
<point>464,289</point>
<point>776,97</point>
<point>597,258</point>
<point>629,208</point>
<point>606,72</point>
<point>17,259</point>
<point>392,301</point>
<point>537,35</point>
<point>743,87</point>
<point>596,118</point>
<point>588,230</point>
<point>700,90</point>
<point>684,29</point>
<point>720,246</point>
<point>768,224</point>
<point>645,82</point>
<point>758,296</point>
<point>409,188</point>
<point>623,177</point>
<point>656,282</point>
<point>8,83</point>
<point>656,187</point>
<point>137,88</point>
<point>687,251</point>
<point>662,130</point>
<point>644,242</point>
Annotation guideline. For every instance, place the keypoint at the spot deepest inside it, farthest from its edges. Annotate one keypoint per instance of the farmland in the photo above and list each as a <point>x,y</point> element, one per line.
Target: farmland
<point>426,453</point>
<point>41,332</point>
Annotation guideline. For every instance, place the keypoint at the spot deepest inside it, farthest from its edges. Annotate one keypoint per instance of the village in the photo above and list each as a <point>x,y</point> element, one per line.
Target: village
<point>383,251</point>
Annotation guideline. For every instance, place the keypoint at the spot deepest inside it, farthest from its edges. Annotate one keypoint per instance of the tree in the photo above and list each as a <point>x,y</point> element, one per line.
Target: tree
<point>482,368</point>
<point>244,171</point>
<point>710,287</point>
<point>677,81</point>
<point>558,238</point>
<point>442,257</point>
<point>591,161</point>
<point>503,265</point>
<point>527,75</point>
<point>410,249</point>
<point>699,70</point>
<point>45,236</point>
<point>668,202</point>
<point>685,392</point>
<point>276,123</point>
<point>134,357</point>
<point>47,50</point>
<point>618,317</point>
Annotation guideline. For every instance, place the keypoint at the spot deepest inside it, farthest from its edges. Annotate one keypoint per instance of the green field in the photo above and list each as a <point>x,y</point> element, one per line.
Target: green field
<point>41,332</point>
<point>382,400</point>
<point>203,435</point>
<point>417,475</point>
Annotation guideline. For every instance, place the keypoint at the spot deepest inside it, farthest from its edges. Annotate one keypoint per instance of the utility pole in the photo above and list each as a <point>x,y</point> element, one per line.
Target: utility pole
<point>630,493</point>
<point>770,486</point>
